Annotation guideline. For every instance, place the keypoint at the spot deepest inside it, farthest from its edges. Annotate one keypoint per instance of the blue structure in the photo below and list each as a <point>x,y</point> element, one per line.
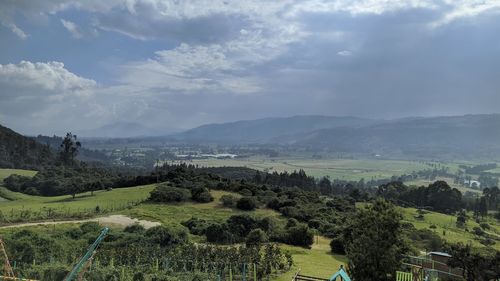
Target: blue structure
<point>342,274</point>
<point>88,255</point>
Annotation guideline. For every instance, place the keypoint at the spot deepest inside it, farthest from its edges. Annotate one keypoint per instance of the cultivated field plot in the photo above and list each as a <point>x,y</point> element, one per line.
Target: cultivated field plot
<point>366,169</point>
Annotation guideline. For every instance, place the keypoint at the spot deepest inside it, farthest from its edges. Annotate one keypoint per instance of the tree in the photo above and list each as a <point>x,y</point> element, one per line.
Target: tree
<point>228,200</point>
<point>374,244</point>
<point>461,218</point>
<point>256,237</point>
<point>300,235</point>
<point>69,148</point>
<point>474,265</point>
<point>75,188</point>
<point>483,207</point>
<point>246,204</point>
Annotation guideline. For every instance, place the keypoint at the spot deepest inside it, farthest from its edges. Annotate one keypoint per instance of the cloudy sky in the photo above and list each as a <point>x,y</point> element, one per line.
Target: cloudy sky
<point>76,65</point>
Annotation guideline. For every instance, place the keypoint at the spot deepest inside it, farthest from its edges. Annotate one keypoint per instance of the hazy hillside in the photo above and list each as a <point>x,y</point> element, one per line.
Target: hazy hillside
<point>18,151</point>
<point>264,130</point>
<point>455,136</point>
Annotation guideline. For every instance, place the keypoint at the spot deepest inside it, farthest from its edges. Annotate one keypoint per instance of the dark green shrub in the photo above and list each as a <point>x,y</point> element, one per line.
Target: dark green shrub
<point>337,245</point>
<point>134,228</point>
<point>246,204</point>
<point>201,195</point>
<point>218,233</point>
<point>300,235</point>
<point>165,193</point>
<point>166,237</point>
<point>196,226</point>
<point>228,200</point>
<point>91,227</point>
<point>256,237</point>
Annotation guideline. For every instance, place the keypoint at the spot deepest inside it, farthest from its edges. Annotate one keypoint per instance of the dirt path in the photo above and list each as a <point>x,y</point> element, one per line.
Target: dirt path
<point>113,220</point>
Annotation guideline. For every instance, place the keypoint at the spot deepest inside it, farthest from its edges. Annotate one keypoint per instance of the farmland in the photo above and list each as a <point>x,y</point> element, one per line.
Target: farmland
<point>344,169</point>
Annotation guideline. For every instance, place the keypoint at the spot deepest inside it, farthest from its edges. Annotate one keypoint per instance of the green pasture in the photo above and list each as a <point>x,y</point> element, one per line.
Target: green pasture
<point>317,261</point>
<point>173,214</point>
<point>7,172</point>
<point>445,226</point>
<point>344,169</point>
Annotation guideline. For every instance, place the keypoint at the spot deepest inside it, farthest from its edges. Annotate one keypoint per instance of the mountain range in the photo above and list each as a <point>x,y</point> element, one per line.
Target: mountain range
<point>453,136</point>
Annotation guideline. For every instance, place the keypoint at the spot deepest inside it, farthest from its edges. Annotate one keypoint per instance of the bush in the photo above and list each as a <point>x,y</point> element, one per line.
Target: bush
<point>246,204</point>
<point>241,225</point>
<point>337,245</point>
<point>196,226</point>
<point>166,237</point>
<point>484,225</point>
<point>165,193</point>
<point>256,237</point>
<point>201,195</point>
<point>90,226</point>
<point>228,200</point>
<point>134,228</point>
<point>300,235</point>
<point>478,231</point>
<point>218,233</point>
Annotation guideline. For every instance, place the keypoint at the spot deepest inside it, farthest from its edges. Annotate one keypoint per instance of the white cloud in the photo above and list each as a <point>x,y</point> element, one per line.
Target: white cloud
<point>42,92</point>
<point>344,53</point>
<point>459,9</point>
<point>16,30</point>
<point>72,28</point>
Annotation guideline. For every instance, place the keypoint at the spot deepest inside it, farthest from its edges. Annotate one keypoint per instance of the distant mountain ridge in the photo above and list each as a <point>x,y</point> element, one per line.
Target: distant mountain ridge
<point>450,136</point>
<point>263,130</point>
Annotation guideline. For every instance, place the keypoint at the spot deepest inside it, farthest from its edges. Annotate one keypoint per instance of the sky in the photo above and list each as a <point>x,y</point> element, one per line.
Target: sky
<point>170,64</point>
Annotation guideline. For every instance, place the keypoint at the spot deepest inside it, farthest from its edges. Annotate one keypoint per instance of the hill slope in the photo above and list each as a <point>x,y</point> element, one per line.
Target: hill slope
<point>456,136</point>
<point>437,137</point>
<point>264,130</point>
<point>18,151</point>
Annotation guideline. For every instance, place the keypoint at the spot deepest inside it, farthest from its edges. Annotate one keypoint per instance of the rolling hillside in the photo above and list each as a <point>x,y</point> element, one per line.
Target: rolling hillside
<point>264,130</point>
<point>18,151</point>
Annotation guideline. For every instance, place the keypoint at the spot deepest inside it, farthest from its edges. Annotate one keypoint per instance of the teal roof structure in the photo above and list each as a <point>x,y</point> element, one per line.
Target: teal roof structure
<point>342,275</point>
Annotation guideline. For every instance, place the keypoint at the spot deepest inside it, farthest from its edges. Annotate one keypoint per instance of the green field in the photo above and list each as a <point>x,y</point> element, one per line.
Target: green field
<point>7,172</point>
<point>334,168</point>
<point>446,226</point>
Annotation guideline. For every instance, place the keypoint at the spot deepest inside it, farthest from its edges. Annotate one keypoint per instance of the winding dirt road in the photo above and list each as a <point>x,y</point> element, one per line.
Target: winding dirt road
<point>112,220</point>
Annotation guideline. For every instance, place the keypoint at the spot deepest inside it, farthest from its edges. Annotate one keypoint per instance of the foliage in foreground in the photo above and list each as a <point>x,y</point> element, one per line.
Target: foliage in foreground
<point>158,253</point>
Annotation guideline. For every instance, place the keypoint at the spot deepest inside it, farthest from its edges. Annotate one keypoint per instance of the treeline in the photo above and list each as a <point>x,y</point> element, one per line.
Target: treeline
<point>59,179</point>
<point>438,196</point>
<point>478,169</point>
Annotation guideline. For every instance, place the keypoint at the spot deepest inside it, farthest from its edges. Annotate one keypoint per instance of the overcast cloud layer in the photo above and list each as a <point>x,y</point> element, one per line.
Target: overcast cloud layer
<point>70,65</point>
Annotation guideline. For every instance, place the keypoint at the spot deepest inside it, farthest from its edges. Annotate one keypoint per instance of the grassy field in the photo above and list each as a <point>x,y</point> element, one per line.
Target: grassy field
<point>175,213</point>
<point>446,226</point>
<point>317,261</point>
<point>7,172</point>
<point>334,168</point>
